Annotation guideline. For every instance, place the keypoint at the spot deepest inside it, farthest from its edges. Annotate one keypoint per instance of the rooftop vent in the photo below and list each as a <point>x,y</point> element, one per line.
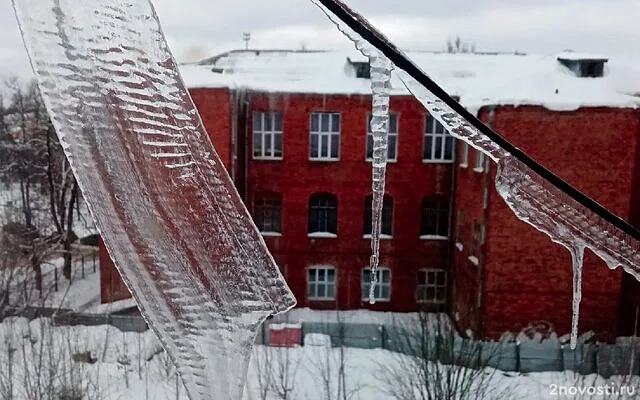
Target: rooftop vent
<point>583,66</point>
<point>361,68</point>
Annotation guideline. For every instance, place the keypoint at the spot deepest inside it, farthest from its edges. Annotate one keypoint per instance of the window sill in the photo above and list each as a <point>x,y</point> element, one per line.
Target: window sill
<point>433,237</point>
<point>377,301</point>
<point>382,237</point>
<point>431,302</point>
<point>474,260</point>
<point>437,161</point>
<point>322,235</point>
<point>267,158</point>
<point>465,165</point>
<point>369,160</point>
<point>271,234</point>
<point>478,169</point>
<point>321,299</point>
<point>324,159</point>
<point>459,246</point>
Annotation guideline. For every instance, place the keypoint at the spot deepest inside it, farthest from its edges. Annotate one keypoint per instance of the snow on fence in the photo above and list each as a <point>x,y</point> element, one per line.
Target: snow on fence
<point>604,359</point>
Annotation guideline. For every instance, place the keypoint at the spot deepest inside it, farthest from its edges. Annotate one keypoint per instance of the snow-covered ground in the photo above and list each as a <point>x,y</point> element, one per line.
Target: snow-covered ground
<point>133,366</point>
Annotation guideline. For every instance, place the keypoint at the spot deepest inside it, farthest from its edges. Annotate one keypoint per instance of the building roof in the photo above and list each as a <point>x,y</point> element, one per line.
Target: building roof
<point>477,79</point>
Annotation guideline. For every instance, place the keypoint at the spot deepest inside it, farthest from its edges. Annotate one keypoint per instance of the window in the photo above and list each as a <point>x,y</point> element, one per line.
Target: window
<point>464,155</point>
<point>387,215</point>
<point>432,286</point>
<point>438,144</point>
<point>382,291</point>
<point>323,215</point>
<point>325,136</point>
<point>267,135</point>
<point>479,161</point>
<point>321,283</point>
<point>434,220</point>
<point>392,138</point>
<point>267,210</point>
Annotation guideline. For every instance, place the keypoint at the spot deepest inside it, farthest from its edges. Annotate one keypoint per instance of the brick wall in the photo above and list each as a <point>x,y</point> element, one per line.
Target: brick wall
<point>526,276</point>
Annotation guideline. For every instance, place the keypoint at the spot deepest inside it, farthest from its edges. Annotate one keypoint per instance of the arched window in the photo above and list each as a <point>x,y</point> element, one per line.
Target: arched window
<point>267,212</point>
<point>323,214</point>
<point>387,215</point>
<point>434,218</point>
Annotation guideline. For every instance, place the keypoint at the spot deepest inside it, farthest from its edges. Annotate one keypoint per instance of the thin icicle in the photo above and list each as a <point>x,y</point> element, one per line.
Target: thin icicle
<point>577,258</point>
<point>380,84</point>
<point>381,69</point>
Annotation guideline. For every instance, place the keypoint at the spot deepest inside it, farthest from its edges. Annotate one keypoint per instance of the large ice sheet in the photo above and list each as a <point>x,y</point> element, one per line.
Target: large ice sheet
<point>169,214</point>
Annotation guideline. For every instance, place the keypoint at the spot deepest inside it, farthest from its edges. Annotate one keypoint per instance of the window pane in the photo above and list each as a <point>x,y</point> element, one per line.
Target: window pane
<point>311,274</point>
<point>324,149</point>
<point>441,278</point>
<point>428,146</point>
<point>369,146</point>
<point>365,290</point>
<point>441,294</point>
<point>385,292</point>
<point>267,145</point>
<point>393,123</point>
<point>369,122</point>
<point>277,145</point>
<point>314,145</point>
<point>315,122</point>
<point>431,292</point>
<point>331,289</point>
<point>386,275</point>
<point>268,121</point>
<point>438,148</point>
<point>366,275</point>
<point>257,121</point>
<point>439,127</point>
<point>324,122</point>
<point>448,147</point>
<point>422,277</point>
<point>257,144</point>
<point>429,124</point>
<point>331,275</point>
<point>335,144</point>
<point>277,122</point>
<point>321,275</point>
<point>311,292</point>
<point>391,150</point>
<point>335,123</point>
<point>321,290</point>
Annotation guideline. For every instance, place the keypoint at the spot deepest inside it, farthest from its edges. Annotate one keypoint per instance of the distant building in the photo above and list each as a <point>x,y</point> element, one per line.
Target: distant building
<point>291,128</point>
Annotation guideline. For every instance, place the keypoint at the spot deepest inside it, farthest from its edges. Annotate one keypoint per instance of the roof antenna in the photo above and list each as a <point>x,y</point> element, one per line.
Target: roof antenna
<point>246,37</point>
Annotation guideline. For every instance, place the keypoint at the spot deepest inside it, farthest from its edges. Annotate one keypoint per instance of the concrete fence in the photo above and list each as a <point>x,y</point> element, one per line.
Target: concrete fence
<point>603,359</point>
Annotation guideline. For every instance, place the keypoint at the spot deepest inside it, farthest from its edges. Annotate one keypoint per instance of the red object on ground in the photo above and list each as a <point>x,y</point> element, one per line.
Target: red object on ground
<point>285,335</point>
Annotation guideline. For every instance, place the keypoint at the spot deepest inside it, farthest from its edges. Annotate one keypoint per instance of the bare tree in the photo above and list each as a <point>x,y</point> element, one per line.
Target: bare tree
<point>457,45</point>
<point>432,362</point>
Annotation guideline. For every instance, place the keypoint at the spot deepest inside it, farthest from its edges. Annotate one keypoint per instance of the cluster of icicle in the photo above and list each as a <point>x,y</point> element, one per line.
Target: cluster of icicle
<point>531,197</point>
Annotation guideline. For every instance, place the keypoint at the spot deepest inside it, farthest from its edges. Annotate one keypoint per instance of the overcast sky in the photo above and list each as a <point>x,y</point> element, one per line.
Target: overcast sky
<point>200,28</point>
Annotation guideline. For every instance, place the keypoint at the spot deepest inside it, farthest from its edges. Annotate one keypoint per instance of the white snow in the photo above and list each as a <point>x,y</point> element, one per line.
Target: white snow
<point>433,237</point>
<point>322,235</point>
<point>478,79</point>
<point>133,366</point>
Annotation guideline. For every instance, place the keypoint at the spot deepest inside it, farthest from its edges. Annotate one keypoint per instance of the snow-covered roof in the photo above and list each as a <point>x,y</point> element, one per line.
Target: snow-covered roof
<point>477,79</point>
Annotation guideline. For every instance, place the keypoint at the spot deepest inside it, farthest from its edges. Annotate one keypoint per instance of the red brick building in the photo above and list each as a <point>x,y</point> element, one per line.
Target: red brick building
<point>291,127</point>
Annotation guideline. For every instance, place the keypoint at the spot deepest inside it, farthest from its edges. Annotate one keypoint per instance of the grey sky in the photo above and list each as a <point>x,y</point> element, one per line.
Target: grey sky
<point>199,28</point>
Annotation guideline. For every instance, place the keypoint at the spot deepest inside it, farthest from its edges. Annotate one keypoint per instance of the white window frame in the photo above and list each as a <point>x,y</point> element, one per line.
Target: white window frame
<point>267,133</point>
<point>389,135</point>
<point>433,137</point>
<point>479,167</point>
<point>365,284</point>
<point>423,287</point>
<point>326,282</point>
<point>464,156</point>
<point>329,136</point>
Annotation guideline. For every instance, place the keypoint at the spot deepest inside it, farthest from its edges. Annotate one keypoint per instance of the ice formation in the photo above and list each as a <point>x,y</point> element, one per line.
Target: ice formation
<point>380,77</point>
<point>167,210</point>
<point>381,69</point>
<point>531,197</point>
